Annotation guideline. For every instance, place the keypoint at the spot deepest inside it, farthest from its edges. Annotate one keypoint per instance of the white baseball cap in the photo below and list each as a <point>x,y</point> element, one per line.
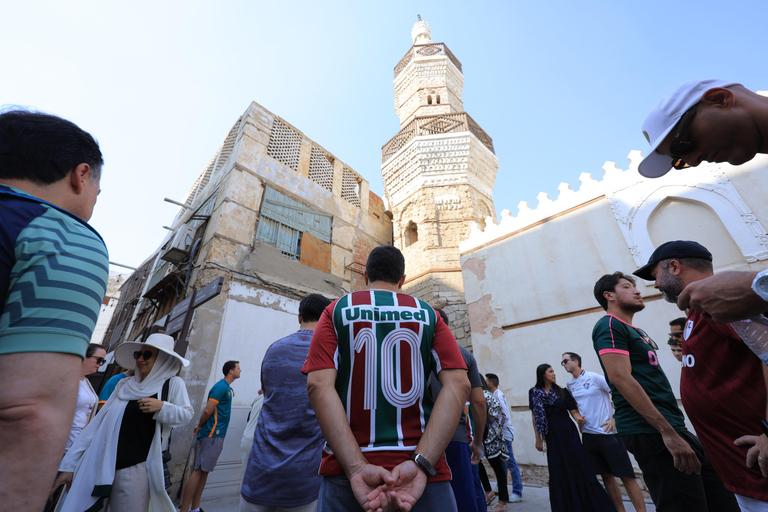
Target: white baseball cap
<point>663,118</point>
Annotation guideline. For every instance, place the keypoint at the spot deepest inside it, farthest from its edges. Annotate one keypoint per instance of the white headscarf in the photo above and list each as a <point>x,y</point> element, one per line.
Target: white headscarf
<point>92,457</point>
<point>164,368</point>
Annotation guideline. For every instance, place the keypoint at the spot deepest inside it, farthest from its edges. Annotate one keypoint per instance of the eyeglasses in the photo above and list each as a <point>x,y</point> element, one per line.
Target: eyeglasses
<point>682,147</point>
<point>562,363</point>
<point>100,360</point>
<point>647,339</point>
<point>676,335</point>
<point>146,355</point>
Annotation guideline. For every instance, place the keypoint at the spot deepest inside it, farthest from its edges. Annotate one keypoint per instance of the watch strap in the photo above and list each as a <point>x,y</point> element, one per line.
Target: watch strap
<point>423,464</point>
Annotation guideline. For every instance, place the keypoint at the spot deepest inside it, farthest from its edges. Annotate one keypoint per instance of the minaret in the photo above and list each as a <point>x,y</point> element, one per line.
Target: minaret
<point>438,174</point>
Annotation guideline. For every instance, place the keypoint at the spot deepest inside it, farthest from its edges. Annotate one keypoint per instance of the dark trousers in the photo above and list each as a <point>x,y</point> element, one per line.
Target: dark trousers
<point>672,490</point>
<point>458,456</point>
<point>501,477</point>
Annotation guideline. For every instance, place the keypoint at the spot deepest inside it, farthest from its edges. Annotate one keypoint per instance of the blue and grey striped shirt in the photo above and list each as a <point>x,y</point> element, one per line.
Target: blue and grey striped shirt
<point>53,276</point>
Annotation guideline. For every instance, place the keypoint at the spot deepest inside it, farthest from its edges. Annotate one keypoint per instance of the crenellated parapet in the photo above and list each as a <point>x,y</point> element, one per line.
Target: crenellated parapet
<point>633,199</point>
<point>567,198</point>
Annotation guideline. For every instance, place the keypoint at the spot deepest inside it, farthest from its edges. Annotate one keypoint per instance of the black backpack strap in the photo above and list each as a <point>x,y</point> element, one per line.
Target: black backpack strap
<point>166,387</point>
<point>164,398</point>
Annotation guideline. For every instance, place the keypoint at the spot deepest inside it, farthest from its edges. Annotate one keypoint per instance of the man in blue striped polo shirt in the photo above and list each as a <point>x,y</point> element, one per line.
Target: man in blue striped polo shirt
<point>53,277</point>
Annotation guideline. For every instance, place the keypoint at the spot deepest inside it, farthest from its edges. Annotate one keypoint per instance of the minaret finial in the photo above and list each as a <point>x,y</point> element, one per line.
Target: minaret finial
<point>421,33</point>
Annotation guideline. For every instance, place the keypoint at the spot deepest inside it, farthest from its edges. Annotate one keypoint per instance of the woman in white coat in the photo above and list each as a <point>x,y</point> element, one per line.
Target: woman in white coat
<point>119,454</point>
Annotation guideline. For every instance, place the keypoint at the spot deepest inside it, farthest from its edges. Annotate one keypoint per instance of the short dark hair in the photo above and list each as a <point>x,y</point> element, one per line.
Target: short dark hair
<point>43,148</point>
<point>92,348</point>
<point>608,283</point>
<point>312,306</point>
<point>493,379</point>
<point>442,314</point>
<point>385,263</point>
<point>229,366</point>
<point>574,356</point>
<point>672,342</point>
<point>697,264</point>
<point>680,322</point>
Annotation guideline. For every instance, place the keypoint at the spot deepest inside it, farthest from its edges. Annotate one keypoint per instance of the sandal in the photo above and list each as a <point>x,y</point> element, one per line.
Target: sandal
<point>498,508</point>
<point>489,497</point>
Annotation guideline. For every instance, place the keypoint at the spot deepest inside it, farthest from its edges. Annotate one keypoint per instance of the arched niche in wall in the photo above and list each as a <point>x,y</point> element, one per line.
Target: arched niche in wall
<point>483,212</point>
<point>633,206</point>
<point>411,234</point>
<point>676,218</point>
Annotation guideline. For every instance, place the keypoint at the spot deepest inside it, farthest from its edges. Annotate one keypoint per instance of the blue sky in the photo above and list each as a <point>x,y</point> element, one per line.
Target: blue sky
<point>560,86</point>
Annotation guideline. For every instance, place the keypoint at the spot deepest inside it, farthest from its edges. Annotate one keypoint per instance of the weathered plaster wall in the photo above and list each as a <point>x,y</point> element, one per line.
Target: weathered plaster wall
<point>528,280</point>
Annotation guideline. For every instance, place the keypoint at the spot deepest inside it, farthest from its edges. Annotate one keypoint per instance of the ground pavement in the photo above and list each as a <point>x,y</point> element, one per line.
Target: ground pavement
<point>535,499</point>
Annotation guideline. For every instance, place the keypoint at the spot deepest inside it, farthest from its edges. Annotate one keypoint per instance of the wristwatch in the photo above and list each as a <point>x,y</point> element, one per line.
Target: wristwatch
<point>760,285</point>
<point>423,463</point>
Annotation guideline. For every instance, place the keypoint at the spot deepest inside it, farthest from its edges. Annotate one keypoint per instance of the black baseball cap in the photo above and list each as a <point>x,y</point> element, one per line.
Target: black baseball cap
<point>678,249</point>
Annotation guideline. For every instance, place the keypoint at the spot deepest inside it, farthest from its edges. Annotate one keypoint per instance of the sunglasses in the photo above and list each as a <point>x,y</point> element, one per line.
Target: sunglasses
<point>647,339</point>
<point>100,360</point>
<point>562,363</point>
<point>146,355</point>
<point>675,335</point>
<point>682,147</point>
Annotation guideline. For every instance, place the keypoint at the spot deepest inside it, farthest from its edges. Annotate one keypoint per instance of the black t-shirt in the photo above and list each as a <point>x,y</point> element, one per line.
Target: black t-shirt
<point>136,433</point>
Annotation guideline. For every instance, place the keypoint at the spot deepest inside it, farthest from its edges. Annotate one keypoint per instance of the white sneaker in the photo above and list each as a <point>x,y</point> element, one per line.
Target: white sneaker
<point>515,498</point>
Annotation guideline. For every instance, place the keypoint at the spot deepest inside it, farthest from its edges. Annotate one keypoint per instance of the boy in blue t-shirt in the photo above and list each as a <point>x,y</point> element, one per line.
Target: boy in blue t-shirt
<point>210,432</point>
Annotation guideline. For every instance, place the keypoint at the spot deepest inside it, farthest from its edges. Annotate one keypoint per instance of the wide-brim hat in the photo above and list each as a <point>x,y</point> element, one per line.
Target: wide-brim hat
<point>162,342</point>
<point>664,117</point>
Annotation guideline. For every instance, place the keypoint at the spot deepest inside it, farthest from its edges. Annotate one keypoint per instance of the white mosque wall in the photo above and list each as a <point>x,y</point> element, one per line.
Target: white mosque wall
<point>529,279</point>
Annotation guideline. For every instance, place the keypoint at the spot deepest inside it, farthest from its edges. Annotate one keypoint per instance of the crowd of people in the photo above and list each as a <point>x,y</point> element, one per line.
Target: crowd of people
<point>372,404</point>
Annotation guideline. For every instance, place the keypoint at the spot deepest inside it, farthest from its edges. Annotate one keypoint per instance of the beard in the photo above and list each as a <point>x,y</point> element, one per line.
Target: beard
<point>630,307</point>
<point>670,287</point>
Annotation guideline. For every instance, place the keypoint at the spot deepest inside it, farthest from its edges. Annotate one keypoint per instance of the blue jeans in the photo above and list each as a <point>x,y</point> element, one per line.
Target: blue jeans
<point>517,482</point>
<point>479,492</point>
<point>336,496</point>
<point>459,456</point>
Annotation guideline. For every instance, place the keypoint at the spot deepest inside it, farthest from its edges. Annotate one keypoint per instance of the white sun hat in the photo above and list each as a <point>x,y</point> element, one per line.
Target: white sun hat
<point>665,116</point>
<point>162,342</point>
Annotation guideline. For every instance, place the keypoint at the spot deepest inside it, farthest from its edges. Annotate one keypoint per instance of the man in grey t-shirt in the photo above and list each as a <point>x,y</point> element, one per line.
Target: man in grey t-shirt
<point>287,443</point>
<point>465,449</point>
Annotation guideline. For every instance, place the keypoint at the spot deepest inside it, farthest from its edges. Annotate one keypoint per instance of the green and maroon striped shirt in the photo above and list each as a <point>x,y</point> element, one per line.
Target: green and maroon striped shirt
<point>384,345</point>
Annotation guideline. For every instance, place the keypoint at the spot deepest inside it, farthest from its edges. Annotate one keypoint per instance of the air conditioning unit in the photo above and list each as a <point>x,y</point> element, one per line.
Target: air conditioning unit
<point>178,249</point>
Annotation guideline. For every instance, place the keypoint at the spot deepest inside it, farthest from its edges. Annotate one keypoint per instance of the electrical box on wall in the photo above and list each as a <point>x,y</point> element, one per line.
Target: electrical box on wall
<point>178,249</point>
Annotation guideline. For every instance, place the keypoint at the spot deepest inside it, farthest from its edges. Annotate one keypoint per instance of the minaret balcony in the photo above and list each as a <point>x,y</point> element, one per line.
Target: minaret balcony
<point>426,50</point>
<point>435,125</point>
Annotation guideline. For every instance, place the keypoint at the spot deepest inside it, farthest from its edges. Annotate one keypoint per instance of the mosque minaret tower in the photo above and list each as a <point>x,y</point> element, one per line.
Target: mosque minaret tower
<point>438,174</point>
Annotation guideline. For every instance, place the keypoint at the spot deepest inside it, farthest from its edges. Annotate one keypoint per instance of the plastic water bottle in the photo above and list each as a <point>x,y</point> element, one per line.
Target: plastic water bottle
<point>754,333</point>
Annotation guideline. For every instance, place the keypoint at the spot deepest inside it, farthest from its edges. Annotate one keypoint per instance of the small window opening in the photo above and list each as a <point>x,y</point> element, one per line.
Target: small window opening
<point>429,99</point>
<point>438,99</point>
<point>411,234</point>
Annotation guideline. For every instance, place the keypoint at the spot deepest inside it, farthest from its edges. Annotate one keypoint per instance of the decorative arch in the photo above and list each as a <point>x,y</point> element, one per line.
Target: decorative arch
<point>634,205</point>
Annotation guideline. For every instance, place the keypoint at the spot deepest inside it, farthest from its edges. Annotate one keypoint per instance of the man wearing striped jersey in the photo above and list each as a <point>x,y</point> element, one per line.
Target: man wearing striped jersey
<point>370,357</point>
<point>53,277</point>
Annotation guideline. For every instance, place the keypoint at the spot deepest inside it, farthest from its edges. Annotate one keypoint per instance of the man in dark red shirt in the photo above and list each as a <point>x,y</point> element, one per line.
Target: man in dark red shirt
<point>722,383</point>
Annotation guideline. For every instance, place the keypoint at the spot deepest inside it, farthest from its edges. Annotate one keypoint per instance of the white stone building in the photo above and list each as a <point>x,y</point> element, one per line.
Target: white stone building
<point>273,217</point>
